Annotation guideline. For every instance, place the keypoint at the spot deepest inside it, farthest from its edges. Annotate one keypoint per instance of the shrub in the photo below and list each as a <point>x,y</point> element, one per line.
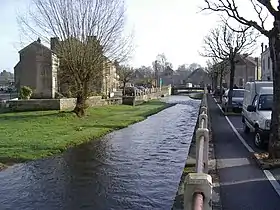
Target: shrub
<point>25,92</point>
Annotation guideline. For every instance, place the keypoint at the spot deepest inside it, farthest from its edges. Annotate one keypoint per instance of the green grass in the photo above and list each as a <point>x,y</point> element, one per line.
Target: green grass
<point>32,135</point>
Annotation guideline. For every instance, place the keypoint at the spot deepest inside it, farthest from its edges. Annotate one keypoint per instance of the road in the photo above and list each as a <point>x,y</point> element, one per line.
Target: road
<point>243,184</point>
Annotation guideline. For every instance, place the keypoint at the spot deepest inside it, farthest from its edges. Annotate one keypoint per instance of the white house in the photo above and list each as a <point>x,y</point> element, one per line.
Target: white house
<point>266,64</point>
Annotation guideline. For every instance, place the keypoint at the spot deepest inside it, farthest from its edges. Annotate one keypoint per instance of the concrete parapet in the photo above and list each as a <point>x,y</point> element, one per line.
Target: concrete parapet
<point>198,183</point>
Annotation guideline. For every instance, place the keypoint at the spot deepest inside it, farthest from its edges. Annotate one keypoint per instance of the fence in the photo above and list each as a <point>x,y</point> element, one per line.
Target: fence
<point>198,185</point>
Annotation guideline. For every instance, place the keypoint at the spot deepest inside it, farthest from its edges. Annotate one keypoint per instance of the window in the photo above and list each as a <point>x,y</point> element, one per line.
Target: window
<point>238,93</point>
<point>268,62</point>
<point>265,102</point>
<point>263,64</point>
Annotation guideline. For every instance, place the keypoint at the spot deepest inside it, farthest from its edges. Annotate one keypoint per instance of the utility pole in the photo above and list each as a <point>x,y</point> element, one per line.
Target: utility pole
<point>156,72</point>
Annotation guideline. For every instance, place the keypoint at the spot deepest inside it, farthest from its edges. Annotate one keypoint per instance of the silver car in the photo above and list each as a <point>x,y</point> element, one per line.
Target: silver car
<point>237,99</point>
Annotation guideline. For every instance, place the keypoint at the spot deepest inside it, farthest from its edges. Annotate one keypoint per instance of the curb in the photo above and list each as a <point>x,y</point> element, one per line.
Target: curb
<point>264,165</point>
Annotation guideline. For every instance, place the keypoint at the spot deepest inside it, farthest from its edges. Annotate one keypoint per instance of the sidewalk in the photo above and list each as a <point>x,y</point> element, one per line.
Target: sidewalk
<point>243,186</point>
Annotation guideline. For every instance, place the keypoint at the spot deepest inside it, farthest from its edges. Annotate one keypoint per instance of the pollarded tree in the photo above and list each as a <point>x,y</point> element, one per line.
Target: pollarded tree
<point>90,34</point>
<point>218,70</point>
<point>225,44</point>
<point>231,9</point>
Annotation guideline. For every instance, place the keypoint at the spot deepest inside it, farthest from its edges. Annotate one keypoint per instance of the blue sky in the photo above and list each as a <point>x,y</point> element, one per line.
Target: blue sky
<point>173,27</point>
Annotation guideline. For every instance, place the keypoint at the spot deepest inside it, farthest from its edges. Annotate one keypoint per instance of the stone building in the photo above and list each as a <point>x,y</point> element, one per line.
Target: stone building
<point>37,69</point>
<point>110,79</point>
<point>266,64</point>
<point>246,69</point>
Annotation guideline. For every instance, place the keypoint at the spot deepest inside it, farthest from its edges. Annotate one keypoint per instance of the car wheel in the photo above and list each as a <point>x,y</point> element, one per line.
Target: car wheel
<point>258,140</point>
<point>246,129</point>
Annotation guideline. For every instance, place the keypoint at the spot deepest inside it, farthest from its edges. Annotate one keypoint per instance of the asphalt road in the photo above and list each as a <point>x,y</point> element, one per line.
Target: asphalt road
<point>243,184</point>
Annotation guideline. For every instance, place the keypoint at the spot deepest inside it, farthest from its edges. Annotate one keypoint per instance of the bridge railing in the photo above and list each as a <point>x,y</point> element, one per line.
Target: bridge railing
<point>198,185</point>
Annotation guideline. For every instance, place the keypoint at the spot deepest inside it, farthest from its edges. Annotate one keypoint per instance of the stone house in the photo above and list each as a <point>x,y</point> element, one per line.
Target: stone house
<point>199,77</point>
<point>37,69</point>
<point>246,70</point>
<point>110,81</point>
<point>266,64</point>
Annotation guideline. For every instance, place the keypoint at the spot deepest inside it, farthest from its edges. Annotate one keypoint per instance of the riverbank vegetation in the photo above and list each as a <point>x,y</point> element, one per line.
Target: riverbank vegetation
<point>32,135</point>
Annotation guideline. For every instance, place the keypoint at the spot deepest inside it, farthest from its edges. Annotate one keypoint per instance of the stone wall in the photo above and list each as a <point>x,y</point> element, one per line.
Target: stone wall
<point>69,103</point>
<point>34,105</point>
<point>135,100</point>
<point>57,104</point>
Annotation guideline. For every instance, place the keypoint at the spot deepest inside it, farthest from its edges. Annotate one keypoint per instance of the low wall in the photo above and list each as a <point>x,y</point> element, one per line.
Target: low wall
<point>69,103</point>
<point>135,100</point>
<point>57,104</point>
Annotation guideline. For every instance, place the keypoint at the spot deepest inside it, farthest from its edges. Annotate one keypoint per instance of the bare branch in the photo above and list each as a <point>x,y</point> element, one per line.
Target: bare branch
<point>230,8</point>
<point>89,36</point>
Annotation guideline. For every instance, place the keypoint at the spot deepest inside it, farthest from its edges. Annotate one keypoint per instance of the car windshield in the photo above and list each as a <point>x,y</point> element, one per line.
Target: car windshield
<point>265,102</point>
<point>238,93</point>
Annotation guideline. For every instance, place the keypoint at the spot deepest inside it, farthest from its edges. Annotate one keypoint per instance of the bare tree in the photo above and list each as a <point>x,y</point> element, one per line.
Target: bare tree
<point>125,73</point>
<point>218,69</point>
<point>225,44</point>
<point>231,9</point>
<point>90,34</point>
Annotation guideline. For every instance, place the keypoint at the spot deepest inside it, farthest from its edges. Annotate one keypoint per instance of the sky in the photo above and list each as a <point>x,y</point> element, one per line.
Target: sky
<point>173,27</point>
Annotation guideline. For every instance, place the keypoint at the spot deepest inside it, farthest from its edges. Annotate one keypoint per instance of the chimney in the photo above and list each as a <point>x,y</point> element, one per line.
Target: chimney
<point>39,40</point>
<point>265,47</point>
<point>54,43</point>
<point>262,47</point>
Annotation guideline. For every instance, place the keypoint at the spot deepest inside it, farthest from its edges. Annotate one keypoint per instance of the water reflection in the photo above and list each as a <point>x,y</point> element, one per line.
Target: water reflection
<point>138,167</point>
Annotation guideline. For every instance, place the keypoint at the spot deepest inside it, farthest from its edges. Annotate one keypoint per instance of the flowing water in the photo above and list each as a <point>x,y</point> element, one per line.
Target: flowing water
<point>135,168</point>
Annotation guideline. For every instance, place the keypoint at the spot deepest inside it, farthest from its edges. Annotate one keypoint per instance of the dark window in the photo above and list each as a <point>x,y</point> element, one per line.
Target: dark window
<point>238,93</point>
<point>268,63</point>
<point>265,102</point>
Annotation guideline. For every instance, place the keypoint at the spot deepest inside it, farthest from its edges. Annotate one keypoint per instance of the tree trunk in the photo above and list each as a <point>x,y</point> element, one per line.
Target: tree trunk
<point>274,142</point>
<point>80,105</point>
<point>231,81</point>
<point>221,87</point>
<point>123,92</point>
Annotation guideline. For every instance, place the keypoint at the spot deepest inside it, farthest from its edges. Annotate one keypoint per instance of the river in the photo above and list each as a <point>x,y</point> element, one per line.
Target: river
<point>135,168</point>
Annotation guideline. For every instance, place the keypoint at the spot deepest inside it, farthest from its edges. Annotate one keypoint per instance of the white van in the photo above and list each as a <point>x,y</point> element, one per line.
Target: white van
<point>257,109</point>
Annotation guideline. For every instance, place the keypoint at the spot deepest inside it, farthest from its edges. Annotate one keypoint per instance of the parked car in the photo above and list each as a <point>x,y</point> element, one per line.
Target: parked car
<point>257,109</point>
<point>237,99</point>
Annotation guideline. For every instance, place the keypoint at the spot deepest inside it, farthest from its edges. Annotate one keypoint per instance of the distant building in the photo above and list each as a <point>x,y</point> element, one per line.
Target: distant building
<point>6,78</point>
<point>199,77</point>
<point>246,69</point>
<point>37,69</point>
<point>266,64</point>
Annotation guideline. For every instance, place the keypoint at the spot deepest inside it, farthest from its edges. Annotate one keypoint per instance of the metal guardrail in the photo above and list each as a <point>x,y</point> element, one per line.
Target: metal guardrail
<point>198,185</point>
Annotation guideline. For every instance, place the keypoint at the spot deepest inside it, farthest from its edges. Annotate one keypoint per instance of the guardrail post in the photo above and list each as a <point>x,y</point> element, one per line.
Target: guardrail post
<point>203,109</point>
<point>205,118</point>
<point>206,151</point>
<point>202,132</point>
<point>198,183</point>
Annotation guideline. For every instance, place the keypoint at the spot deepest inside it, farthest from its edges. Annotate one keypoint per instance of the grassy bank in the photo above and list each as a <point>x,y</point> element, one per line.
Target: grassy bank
<point>31,135</point>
